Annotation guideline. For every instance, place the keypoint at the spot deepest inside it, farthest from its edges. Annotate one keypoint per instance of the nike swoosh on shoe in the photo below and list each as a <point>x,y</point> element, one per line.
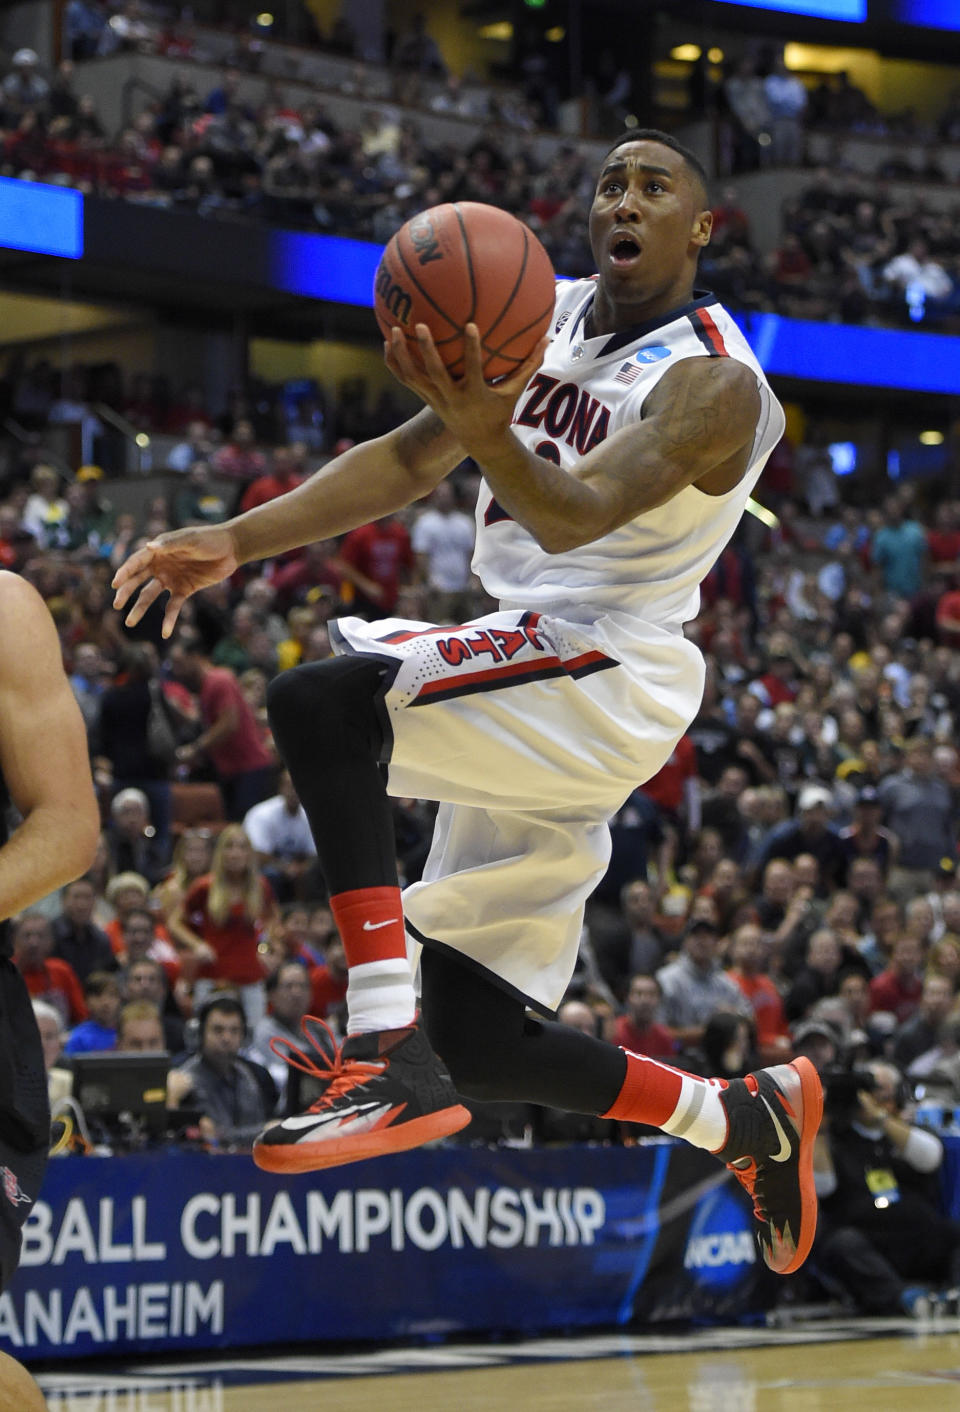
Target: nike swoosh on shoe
<point>785,1149</point>
<point>316,1120</point>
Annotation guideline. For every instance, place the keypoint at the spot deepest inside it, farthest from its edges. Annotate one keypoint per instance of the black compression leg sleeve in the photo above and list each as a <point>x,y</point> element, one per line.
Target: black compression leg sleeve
<point>327,728</point>
<point>495,1051</point>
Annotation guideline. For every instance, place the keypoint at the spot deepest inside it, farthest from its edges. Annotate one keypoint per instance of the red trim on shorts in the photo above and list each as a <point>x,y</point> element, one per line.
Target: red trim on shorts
<point>509,673</point>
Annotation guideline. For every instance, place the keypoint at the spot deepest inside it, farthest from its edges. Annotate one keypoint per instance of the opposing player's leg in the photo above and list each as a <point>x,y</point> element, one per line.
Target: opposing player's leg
<point>24,1114</point>
<point>762,1127</point>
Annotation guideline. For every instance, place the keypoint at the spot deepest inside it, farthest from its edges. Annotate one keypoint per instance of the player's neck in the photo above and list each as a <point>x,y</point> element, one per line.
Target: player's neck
<point>607,315</point>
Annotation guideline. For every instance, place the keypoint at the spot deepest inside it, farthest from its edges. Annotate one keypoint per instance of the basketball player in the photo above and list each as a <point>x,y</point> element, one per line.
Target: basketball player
<point>617,463</point>
<point>44,770</point>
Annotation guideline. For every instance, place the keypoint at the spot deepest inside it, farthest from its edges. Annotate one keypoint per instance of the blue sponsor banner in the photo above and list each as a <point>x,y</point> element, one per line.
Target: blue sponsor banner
<point>870,357</point>
<point>171,1250</point>
<point>41,218</point>
<point>323,266</point>
<point>854,11</point>
<point>935,14</point>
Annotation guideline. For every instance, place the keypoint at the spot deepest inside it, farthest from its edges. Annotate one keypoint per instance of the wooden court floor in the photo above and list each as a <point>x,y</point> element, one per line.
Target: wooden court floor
<point>899,1373</point>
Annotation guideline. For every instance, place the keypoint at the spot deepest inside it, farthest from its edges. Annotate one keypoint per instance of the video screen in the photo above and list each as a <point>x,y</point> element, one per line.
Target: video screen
<point>855,11</point>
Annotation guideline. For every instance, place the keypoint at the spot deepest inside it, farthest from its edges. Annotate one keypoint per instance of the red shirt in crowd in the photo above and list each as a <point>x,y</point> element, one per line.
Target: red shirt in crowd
<point>381,551</point>
<point>778,691</point>
<point>239,462</point>
<point>900,995</point>
<point>655,1041</point>
<point>267,488</point>
<point>764,998</point>
<point>666,786</point>
<point>57,983</point>
<point>327,991</point>
<point>948,611</point>
<point>944,546</point>
<point>235,940</point>
<point>243,749</point>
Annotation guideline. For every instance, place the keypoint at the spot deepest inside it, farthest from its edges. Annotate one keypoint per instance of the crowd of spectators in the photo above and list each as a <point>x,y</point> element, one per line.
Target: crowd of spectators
<point>850,248</point>
<point>850,251</point>
<point>788,883</point>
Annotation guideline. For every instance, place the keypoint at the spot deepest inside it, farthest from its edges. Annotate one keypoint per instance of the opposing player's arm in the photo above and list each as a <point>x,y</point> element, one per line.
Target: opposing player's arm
<point>43,755</point>
<point>698,428</point>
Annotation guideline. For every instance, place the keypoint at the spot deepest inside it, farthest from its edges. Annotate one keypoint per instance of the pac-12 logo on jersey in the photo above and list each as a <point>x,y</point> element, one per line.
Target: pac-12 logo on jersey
<point>561,321</point>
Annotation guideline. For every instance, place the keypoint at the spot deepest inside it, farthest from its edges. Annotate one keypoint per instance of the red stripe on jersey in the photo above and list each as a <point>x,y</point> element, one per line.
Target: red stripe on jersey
<point>713,333</point>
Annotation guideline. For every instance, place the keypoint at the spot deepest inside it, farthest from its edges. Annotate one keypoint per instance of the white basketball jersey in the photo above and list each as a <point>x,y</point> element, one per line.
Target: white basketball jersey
<point>585,390</point>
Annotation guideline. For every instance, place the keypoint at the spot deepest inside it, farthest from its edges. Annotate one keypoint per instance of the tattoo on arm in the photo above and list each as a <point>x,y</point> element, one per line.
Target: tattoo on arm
<point>700,410</point>
<point>420,443</point>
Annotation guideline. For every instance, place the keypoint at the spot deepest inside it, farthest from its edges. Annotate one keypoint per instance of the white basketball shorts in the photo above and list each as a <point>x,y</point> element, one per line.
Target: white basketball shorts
<point>531,731</point>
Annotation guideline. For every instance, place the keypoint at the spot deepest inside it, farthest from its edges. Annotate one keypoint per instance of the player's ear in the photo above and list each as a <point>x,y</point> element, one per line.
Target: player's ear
<point>702,226</point>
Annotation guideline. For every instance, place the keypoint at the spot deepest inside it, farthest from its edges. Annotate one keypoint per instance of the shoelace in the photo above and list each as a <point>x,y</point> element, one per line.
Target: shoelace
<point>747,1177</point>
<point>338,1074</point>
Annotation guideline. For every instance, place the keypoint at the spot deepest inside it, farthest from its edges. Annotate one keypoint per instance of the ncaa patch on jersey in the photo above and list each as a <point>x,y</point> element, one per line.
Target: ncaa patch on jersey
<point>652,355</point>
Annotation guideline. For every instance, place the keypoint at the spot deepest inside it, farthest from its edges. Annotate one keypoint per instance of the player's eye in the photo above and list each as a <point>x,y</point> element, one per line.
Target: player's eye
<point>655,186</point>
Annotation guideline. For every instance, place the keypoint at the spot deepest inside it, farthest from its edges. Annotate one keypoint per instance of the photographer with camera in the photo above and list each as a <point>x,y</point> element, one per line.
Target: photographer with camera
<point>882,1235</point>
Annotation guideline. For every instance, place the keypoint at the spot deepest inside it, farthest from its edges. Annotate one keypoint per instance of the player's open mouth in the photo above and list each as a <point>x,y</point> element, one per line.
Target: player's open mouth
<point>624,250</point>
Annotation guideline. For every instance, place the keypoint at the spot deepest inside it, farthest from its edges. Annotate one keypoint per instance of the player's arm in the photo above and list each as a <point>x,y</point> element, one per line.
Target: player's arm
<point>373,479</point>
<point>43,755</point>
<point>698,427</point>
<point>368,481</point>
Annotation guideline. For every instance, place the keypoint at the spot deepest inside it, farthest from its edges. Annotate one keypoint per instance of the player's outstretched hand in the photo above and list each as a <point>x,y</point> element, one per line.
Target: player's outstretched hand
<point>476,411</point>
<point>177,563</point>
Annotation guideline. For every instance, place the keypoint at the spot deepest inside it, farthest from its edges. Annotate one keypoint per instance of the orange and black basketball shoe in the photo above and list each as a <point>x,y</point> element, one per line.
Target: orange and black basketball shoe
<point>382,1092</point>
<point>774,1115</point>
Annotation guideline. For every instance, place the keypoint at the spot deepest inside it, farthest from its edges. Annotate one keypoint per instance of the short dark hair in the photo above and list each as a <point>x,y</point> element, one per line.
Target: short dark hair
<point>273,980</point>
<point>226,1005</point>
<point>99,982</point>
<point>654,134</point>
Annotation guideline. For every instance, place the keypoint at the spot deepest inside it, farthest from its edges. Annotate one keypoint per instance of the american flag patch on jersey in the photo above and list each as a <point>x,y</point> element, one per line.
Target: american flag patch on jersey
<point>629,372</point>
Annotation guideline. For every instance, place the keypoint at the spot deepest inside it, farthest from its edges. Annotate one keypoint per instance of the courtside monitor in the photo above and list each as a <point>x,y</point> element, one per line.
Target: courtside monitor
<point>108,1084</point>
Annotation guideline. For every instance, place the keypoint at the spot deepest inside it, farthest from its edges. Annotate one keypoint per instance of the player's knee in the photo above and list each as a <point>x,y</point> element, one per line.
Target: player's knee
<point>326,708</point>
<point>289,697</point>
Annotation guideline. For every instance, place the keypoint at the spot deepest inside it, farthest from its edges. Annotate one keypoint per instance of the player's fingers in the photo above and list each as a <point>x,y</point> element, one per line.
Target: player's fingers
<point>399,361</point>
<point>472,355</point>
<point>127,589</point>
<point>432,361</point>
<point>138,563</point>
<point>172,613</point>
<point>149,594</point>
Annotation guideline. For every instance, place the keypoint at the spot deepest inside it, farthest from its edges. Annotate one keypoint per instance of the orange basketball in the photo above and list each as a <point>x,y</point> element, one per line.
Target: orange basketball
<point>464,263</point>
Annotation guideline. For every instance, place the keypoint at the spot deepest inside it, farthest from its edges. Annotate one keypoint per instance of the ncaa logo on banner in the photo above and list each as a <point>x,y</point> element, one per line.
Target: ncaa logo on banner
<point>721,1250</point>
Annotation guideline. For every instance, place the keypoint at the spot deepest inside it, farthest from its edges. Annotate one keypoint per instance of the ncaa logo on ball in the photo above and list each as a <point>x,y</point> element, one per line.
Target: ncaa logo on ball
<point>395,298</point>
<point>424,238</point>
